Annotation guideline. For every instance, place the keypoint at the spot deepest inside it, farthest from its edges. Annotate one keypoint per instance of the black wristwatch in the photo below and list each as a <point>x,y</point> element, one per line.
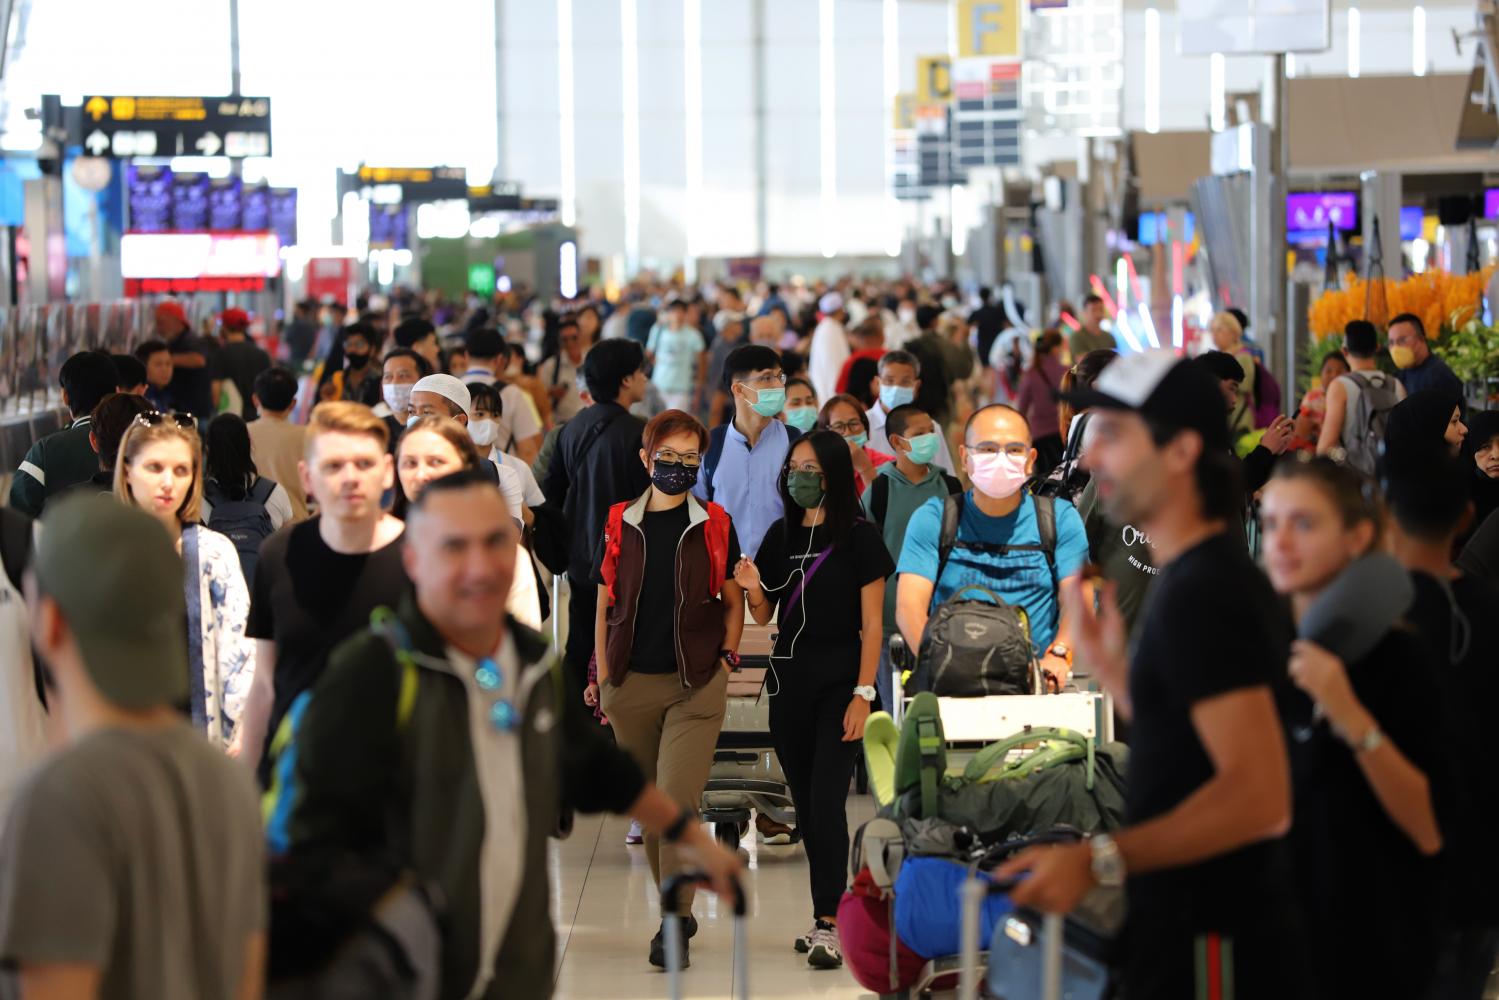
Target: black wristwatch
<point>678,827</point>
<point>730,657</point>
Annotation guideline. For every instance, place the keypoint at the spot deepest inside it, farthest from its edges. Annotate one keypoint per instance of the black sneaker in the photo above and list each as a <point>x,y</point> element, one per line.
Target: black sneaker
<point>658,944</point>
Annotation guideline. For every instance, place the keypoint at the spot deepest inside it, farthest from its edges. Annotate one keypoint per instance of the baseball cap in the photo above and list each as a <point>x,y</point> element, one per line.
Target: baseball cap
<point>172,308</point>
<point>115,574</point>
<point>234,319</point>
<point>1171,391</point>
<point>830,303</point>
<point>450,389</point>
<point>484,342</point>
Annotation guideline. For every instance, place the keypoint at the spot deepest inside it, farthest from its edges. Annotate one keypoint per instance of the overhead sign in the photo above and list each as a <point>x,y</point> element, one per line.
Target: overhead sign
<point>388,227</point>
<point>987,114</point>
<point>933,79</point>
<point>126,126</point>
<point>154,263</point>
<point>988,27</point>
<point>501,196</point>
<point>419,183</point>
<point>903,112</point>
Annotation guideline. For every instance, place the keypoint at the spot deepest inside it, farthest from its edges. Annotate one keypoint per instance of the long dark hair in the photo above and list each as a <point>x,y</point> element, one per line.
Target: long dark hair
<point>840,503</point>
<point>1047,343</point>
<point>229,463</point>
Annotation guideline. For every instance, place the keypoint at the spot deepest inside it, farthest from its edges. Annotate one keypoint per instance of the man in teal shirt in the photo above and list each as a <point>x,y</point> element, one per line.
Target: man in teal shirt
<point>899,488</point>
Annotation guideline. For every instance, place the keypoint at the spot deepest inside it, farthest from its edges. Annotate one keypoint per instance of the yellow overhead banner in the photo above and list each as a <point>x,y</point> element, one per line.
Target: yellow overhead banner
<point>988,27</point>
<point>933,79</point>
<point>903,114</point>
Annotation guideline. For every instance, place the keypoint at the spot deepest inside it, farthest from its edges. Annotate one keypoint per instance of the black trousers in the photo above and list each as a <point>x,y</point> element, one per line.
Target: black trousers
<point>582,605</point>
<point>806,724</point>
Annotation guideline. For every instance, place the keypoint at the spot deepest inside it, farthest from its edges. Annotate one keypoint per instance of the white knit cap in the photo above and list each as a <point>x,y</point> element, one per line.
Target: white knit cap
<point>450,389</point>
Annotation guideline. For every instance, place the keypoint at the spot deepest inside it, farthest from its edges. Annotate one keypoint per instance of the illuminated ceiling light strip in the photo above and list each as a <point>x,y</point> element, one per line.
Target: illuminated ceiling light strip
<point>828,119</point>
<point>692,60</point>
<point>629,25</point>
<point>1152,70</point>
<point>1290,65</point>
<point>1217,96</point>
<point>567,144</point>
<point>1355,26</point>
<point>890,53</point>
<point>1418,40</point>
<point>1148,322</point>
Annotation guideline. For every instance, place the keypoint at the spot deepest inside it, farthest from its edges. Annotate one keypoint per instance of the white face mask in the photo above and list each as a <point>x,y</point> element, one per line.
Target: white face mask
<point>998,476</point>
<point>483,432</point>
<point>397,397</point>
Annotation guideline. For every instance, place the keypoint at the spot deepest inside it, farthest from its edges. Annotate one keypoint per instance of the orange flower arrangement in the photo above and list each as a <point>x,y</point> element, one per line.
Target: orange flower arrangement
<point>1443,301</point>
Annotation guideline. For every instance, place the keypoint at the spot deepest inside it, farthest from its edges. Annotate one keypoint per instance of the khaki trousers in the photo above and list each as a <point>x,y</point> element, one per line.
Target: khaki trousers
<point>671,731</point>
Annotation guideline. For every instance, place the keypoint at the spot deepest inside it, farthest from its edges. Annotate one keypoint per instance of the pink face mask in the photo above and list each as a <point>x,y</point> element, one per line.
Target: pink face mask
<point>998,476</point>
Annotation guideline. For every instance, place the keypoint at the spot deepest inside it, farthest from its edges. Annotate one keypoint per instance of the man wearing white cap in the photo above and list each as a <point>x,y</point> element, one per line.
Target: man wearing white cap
<point>829,346</point>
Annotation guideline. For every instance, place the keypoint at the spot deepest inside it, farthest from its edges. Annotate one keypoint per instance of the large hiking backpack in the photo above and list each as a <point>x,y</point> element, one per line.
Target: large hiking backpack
<point>1363,433</point>
<point>972,647</point>
<point>247,522</point>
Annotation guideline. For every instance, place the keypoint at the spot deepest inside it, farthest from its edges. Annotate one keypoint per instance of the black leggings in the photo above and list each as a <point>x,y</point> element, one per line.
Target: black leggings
<point>806,723</point>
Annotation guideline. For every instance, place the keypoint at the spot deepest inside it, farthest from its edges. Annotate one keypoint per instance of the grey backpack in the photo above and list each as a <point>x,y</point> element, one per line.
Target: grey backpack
<point>1363,433</point>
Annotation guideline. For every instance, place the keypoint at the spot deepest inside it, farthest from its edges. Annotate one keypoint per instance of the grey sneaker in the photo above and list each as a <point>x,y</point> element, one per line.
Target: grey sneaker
<point>825,953</point>
<point>804,943</point>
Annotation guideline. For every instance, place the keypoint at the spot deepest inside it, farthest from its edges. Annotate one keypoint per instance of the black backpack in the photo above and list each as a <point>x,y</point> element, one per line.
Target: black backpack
<point>973,647</point>
<point>246,522</point>
<point>879,495</point>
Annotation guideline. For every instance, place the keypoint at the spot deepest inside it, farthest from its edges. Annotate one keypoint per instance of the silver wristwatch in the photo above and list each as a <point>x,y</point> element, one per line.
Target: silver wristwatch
<point>1371,741</point>
<point>866,692</point>
<point>1108,862</point>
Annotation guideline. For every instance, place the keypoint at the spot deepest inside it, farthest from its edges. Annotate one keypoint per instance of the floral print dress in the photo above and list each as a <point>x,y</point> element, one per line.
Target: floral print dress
<point>222,661</point>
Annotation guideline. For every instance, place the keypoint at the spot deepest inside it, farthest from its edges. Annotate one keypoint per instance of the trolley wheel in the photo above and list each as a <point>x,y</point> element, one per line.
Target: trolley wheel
<point>727,834</point>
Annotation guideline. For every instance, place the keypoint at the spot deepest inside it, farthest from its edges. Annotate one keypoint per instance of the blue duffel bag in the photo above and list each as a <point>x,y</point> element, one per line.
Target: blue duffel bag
<point>929,907</point>
<point>1018,944</point>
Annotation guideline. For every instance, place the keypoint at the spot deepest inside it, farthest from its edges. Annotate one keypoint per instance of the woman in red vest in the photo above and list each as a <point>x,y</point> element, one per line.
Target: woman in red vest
<point>668,623</point>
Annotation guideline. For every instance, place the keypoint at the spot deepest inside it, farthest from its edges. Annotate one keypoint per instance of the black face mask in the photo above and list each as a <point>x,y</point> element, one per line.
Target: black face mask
<point>673,478</point>
<point>357,360</point>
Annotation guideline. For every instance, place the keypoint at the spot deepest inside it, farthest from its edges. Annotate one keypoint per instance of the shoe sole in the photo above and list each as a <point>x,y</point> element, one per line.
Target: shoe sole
<point>820,958</point>
<point>776,840</point>
<point>634,841</point>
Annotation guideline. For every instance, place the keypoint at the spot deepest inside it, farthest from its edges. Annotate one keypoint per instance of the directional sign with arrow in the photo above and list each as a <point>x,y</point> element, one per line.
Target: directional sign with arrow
<point>125,126</point>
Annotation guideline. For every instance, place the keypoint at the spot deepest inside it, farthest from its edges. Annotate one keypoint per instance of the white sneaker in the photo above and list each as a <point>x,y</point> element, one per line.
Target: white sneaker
<point>635,836</point>
<point>825,953</point>
<point>804,943</point>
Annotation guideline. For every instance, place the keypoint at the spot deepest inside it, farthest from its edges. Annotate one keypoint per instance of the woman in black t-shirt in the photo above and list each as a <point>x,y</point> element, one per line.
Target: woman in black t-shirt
<point>1364,748</point>
<point>823,567</point>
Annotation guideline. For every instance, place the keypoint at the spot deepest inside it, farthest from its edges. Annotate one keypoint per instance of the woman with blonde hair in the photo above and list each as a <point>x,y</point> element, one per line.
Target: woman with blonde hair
<point>160,470</point>
<point>1228,336</point>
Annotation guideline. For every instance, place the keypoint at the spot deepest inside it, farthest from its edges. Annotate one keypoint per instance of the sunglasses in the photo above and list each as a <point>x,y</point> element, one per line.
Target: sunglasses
<point>156,417</point>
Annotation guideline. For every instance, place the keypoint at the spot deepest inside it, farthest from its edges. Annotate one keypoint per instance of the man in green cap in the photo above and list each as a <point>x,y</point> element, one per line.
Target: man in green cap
<point>131,863</point>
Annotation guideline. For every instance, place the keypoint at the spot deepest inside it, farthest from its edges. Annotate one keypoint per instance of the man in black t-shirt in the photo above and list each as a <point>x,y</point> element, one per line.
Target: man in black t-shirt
<point>318,580</point>
<point>1209,798</point>
<point>1457,615</point>
<point>194,387</point>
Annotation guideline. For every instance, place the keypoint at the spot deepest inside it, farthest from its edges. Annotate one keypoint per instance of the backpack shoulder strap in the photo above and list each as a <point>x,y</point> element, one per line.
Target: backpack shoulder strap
<point>262,490</point>
<point>385,624</point>
<point>1046,528</point>
<point>879,499</point>
<point>952,514</point>
<point>715,452</point>
<point>954,484</point>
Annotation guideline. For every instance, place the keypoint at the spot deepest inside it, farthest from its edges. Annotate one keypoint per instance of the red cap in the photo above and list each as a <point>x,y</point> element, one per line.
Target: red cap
<point>234,319</point>
<point>172,308</point>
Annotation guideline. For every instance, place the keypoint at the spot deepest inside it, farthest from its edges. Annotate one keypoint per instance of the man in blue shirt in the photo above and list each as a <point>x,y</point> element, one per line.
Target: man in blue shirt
<point>1419,368</point>
<point>742,468</point>
<point>996,535</point>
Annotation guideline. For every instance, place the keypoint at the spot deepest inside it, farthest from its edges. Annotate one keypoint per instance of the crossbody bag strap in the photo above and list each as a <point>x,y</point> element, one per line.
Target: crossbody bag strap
<point>197,689</point>
<point>806,577</point>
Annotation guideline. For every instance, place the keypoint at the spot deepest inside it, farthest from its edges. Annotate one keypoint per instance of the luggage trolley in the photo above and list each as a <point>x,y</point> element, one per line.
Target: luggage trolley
<point>746,774</point>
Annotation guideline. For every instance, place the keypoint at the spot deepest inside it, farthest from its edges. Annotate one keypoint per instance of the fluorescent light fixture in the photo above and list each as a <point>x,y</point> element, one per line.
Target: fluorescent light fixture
<point>567,270</point>
<point>1217,97</point>
<point>1121,282</point>
<point>629,92</point>
<point>1178,325</point>
<point>692,60</point>
<point>1290,65</point>
<point>1121,323</point>
<point>1355,24</point>
<point>1148,323</point>
<point>566,106</point>
<point>890,56</point>
<point>828,119</point>
<point>1152,70</point>
<point>959,219</point>
<point>1418,40</point>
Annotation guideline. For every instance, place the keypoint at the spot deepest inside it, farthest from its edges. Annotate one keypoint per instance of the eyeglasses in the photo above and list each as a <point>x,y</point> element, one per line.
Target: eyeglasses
<point>1015,449</point>
<point>847,428</point>
<point>154,417</point>
<point>689,459</point>
<point>779,378</point>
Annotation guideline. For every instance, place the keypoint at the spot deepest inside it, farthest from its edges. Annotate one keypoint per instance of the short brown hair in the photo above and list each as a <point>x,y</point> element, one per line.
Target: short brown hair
<point>824,416</point>
<point>137,436</point>
<point>342,417</point>
<point>668,422</point>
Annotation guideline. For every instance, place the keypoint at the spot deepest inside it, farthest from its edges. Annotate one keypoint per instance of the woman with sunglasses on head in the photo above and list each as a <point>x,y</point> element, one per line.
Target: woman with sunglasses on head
<point>160,470</point>
<point>1366,745</point>
<point>823,567</point>
<point>667,627</point>
<point>432,447</point>
<point>846,417</point>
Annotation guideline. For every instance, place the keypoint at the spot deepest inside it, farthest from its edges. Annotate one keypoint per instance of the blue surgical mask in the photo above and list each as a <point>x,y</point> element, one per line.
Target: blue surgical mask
<point>859,440</point>
<point>892,396</point>
<point>768,402</point>
<point>411,420</point>
<point>923,447</point>
<point>803,418</point>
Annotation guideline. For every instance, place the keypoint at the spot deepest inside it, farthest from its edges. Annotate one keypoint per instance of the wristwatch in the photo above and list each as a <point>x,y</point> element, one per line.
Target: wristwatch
<point>1369,742</point>
<point>867,692</point>
<point>1063,650</point>
<point>730,657</point>
<point>1108,862</point>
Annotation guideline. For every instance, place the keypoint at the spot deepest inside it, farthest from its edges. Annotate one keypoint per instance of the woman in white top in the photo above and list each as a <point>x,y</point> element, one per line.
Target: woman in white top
<point>484,428</point>
<point>160,470</point>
